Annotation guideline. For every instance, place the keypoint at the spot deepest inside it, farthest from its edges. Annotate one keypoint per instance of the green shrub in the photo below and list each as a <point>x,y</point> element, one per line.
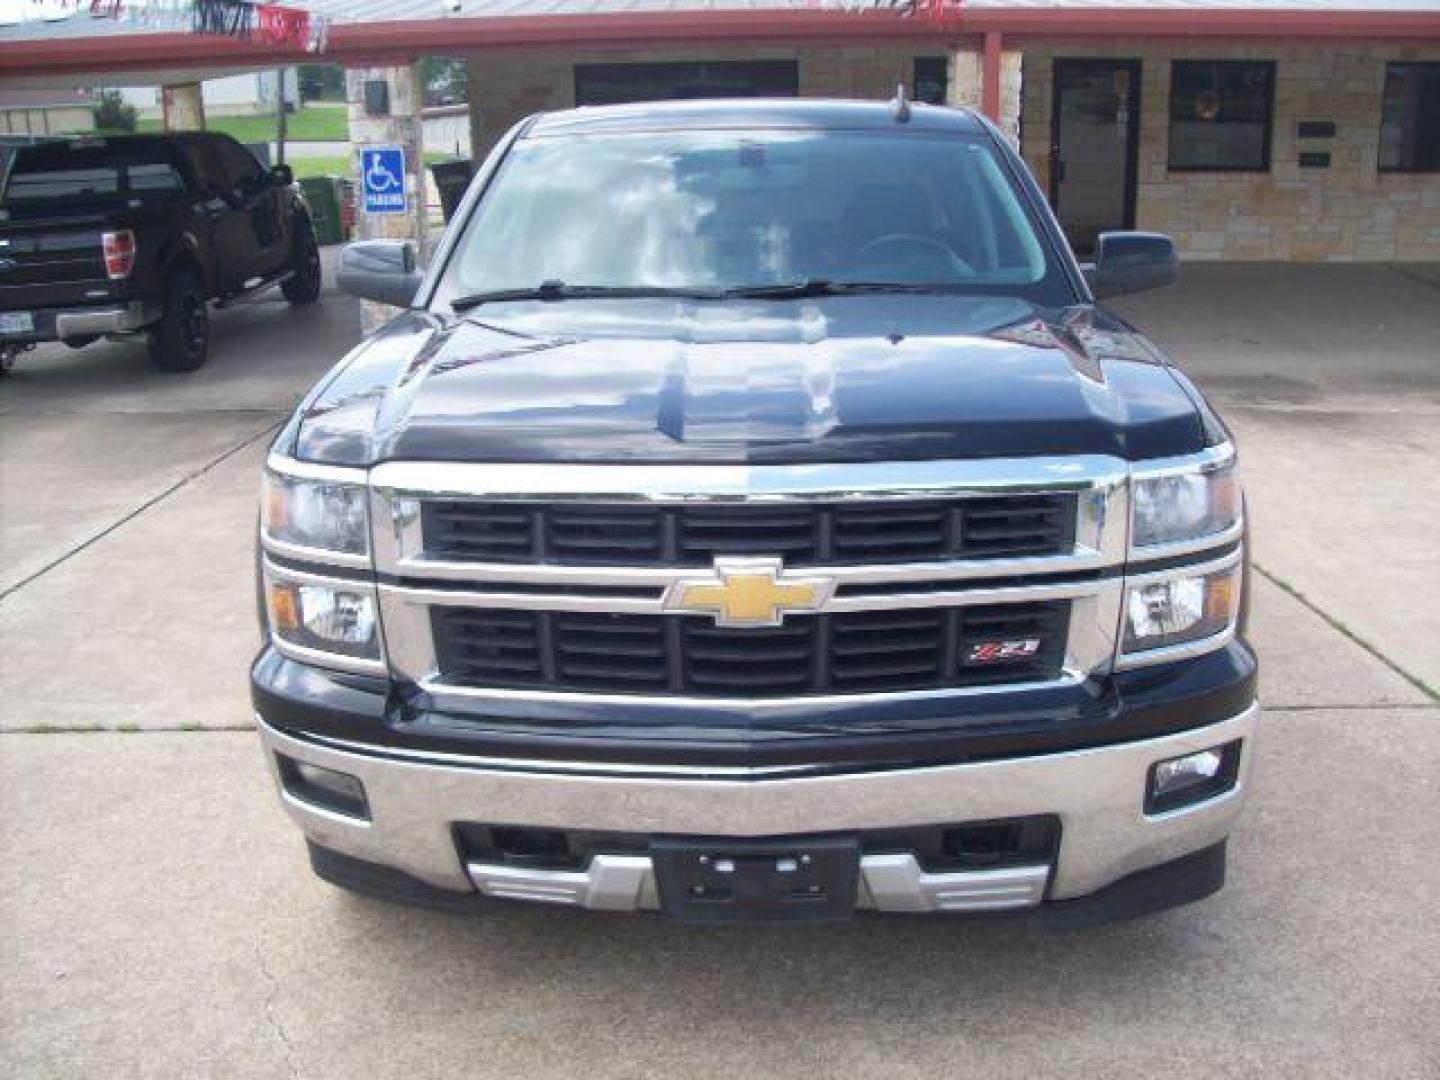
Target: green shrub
<point>112,114</point>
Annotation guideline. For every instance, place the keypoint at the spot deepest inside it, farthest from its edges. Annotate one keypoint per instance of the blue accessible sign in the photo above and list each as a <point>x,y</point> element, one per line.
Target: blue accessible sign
<point>382,178</point>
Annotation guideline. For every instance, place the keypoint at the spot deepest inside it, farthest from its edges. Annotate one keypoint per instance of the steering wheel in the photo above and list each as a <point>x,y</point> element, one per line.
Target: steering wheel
<point>929,243</point>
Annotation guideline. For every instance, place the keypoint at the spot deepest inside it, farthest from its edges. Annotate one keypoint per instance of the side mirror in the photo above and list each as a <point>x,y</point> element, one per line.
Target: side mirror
<point>380,270</point>
<point>1131,262</point>
<point>282,175</point>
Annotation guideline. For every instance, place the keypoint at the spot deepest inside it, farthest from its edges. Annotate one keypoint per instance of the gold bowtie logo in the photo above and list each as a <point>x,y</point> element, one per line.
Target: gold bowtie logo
<point>748,592</point>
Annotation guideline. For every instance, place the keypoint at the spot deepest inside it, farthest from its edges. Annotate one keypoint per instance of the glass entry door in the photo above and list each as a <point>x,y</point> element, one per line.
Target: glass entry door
<point>1093,144</point>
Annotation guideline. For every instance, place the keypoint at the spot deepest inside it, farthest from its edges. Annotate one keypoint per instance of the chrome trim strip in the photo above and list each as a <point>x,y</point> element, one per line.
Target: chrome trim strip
<point>355,665</point>
<point>480,695</point>
<point>304,470</point>
<point>1211,459</point>
<point>608,883</point>
<point>1183,651</point>
<point>897,882</point>
<point>655,605</point>
<point>752,483</point>
<point>663,577</point>
<point>1199,569</point>
<point>1176,548</point>
<point>303,553</point>
<point>333,816</point>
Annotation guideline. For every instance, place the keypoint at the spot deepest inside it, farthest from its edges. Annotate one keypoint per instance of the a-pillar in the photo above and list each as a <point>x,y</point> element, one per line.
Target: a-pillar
<point>183,107</point>
<point>384,106</point>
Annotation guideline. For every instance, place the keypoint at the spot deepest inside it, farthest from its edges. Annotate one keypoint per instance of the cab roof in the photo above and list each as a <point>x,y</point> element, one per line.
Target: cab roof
<point>809,113</point>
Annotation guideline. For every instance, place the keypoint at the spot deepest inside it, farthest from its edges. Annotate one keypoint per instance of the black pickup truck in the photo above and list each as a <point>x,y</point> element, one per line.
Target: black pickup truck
<point>755,517</point>
<point>131,235</point>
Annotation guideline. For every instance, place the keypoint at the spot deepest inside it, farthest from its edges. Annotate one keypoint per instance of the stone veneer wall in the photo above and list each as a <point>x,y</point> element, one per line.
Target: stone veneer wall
<point>1350,211</point>
<point>505,89</point>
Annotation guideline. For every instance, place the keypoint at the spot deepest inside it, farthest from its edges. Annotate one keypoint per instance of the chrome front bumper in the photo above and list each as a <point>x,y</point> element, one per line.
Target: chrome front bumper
<point>1097,794</point>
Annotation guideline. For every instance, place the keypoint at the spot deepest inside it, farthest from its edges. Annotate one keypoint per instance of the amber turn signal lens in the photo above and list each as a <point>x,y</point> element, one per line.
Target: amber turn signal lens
<point>284,612</point>
<point>1220,594</point>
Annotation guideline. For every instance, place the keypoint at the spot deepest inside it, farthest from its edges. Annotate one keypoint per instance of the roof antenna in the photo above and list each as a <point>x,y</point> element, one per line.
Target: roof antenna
<point>900,106</point>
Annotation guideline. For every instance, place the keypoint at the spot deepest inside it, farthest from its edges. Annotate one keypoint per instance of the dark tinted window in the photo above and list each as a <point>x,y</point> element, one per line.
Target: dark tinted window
<point>932,79</point>
<point>1410,118</point>
<point>204,165</point>
<point>1220,114</point>
<point>728,209</point>
<point>617,84</point>
<point>241,167</point>
<point>87,170</point>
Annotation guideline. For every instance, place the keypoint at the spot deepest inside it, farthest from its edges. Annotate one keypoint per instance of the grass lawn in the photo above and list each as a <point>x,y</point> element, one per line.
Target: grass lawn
<point>313,124</point>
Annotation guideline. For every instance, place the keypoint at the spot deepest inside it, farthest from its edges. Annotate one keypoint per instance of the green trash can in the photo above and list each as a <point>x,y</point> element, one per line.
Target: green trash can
<point>451,180</point>
<point>322,193</point>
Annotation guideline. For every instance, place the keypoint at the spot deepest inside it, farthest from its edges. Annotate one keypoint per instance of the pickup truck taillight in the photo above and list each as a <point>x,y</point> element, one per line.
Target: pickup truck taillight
<point>119,250</point>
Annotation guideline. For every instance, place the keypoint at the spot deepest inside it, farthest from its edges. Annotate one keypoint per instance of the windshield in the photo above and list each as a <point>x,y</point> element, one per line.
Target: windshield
<point>718,210</point>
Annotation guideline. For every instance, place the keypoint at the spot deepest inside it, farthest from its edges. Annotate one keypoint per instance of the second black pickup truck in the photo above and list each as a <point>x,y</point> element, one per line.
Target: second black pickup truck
<point>133,235</point>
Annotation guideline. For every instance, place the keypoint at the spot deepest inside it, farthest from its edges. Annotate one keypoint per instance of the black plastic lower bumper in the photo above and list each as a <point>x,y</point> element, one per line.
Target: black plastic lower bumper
<point>1181,881</point>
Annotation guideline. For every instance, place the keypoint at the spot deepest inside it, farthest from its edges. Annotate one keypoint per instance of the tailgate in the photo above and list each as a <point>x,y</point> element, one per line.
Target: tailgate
<point>51,261</point>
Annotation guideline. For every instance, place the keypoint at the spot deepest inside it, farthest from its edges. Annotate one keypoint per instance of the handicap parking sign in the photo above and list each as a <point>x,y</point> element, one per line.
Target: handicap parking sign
<point>382,178</point>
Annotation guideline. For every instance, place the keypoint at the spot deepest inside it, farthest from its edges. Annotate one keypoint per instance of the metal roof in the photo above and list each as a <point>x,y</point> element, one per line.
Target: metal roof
<point>19,20</point>
<point>83,48</point>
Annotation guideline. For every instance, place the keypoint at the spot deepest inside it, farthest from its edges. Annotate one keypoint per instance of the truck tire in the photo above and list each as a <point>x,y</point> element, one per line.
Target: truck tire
<point>303,284</point>
<point>180,341</point>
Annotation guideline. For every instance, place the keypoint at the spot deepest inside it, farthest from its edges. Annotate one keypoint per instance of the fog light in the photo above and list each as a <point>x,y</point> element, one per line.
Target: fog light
<point>325,788</point>
<point>1193,778</point>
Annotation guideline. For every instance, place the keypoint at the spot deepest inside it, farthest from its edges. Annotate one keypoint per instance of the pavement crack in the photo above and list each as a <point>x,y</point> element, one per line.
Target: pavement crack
<point>154,500</point>
<point>1345,631</point>
<point>273,992</point>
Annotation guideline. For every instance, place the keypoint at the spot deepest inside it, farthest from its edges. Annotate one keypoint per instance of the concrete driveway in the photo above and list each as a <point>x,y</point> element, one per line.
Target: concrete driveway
<point>158,918</point>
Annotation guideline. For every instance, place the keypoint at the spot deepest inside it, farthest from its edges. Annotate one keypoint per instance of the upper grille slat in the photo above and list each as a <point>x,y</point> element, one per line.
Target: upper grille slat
<point>682,534</point>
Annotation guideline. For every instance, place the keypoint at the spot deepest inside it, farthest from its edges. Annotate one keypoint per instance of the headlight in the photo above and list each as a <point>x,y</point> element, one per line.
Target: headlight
<point>324,616</point>
<point>1184,505</point>
<point>327,515</point>
<point>1180,608</point>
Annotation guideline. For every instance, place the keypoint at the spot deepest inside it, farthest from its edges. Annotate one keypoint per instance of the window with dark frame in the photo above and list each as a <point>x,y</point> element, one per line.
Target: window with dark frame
<point>931,79</point>
<point>1410,118</point>
<point>619,83</point>
<point>1220,115</point>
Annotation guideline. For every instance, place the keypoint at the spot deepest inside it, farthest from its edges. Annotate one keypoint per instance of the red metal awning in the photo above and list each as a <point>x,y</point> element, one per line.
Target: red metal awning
<point>399,40</point>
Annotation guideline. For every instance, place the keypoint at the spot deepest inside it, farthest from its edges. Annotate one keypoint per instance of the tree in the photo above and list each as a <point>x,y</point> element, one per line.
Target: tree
<point>446,80</point>
<point>112,114</point>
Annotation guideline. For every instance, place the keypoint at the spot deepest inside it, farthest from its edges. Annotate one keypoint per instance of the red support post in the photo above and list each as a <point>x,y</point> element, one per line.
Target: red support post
<point>990,76</point>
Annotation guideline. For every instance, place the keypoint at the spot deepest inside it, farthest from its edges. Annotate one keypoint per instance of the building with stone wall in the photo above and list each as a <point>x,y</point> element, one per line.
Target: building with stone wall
<point>1269,129</point>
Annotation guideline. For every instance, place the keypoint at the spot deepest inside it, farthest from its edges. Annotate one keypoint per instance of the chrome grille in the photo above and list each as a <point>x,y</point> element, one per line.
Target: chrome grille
<point>551,580</point>
<point>854,652</point>
<point>802,534</point>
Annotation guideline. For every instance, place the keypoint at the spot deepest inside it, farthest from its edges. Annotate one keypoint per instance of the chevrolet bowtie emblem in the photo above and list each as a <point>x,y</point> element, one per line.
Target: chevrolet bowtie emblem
<point>748,592</point>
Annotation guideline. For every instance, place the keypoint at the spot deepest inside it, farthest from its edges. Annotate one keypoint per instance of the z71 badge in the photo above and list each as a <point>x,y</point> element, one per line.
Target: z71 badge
<point>994,652</point>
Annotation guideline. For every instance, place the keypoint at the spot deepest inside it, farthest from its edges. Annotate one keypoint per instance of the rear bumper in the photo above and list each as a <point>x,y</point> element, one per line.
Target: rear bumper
<point>60,323</point>
<point>409,843</point>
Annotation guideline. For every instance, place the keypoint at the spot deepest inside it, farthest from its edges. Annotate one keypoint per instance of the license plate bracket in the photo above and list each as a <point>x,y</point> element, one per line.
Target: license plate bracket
<point>17,322</point>
<point>729,881</point>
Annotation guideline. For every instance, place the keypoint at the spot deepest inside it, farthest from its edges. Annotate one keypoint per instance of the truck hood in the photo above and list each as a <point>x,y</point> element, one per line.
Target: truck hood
<point>842,379</point>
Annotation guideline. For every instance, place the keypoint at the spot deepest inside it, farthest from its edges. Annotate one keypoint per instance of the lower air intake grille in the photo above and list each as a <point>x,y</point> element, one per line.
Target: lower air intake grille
<point>847,653</point>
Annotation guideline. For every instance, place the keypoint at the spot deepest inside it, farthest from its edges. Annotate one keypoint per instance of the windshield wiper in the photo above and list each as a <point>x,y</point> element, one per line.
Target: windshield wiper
<point>558,290</point>
<point>799,290</point>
